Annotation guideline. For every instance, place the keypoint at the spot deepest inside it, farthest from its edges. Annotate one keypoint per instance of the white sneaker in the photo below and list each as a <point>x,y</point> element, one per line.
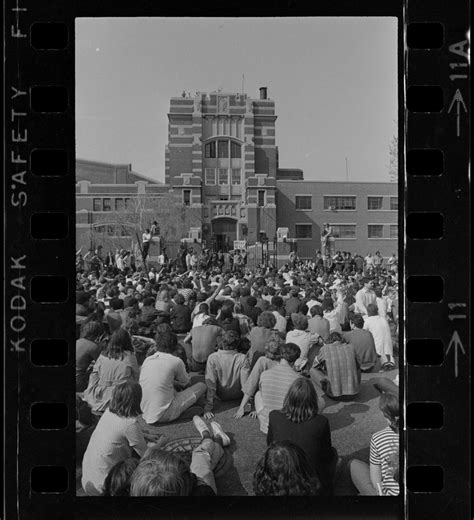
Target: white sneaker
<point>219,432</point>
<point>201,426</point>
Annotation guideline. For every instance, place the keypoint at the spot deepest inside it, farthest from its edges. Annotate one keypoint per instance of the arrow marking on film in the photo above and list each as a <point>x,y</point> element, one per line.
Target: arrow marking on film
<point>456,344</point>
<point>459,101</point>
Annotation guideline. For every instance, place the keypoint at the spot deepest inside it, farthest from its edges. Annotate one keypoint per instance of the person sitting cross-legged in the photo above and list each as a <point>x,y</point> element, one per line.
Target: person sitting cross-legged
<point>224,375</point>
<point>167,389</point>
<point>336,369</point>
<point>167,473</point>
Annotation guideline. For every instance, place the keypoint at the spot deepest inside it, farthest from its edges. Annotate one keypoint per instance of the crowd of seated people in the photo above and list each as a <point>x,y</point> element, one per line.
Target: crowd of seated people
<point>155,347</point>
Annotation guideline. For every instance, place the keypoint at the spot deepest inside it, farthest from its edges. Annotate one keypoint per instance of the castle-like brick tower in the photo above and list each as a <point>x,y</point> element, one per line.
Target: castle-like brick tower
<point>221,162</point>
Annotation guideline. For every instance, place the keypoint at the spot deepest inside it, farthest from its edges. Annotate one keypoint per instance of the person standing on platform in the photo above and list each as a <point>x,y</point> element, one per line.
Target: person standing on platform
<point>146,238</point>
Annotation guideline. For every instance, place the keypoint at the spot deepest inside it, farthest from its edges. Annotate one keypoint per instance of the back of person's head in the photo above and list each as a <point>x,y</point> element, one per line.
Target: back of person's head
<point>294,293</point>
<point>304,309</point>
<point>390,407</point>
<point>277,301</point>
<point>284,470</point>
<point>165,339</point>
<point>130,301</point>
<point>316,310</point>
<point>227,311</point>
<point>245,291</point>
<point>335,337</point>
<point>204,308</point>
<point>117,482</point>
<point>119,343</point>
<point>116,304</point>
<point>210,321</point>
<point>327,305</point>
<point>229,340</point>
<point>179,299</point>
<point>300,321</point>
<point>357,320</point>
<point>166,474</point>
<point>126,399</point>
<point>290,352</point>
<point>372,309</point>
<point>378,292</point>
<point>92,330</point>
<point>149,301</point>
<point>82,297</point>
<point>251,301</point>
<point>273,347</point>
<point>301,401</point>
<point>266,319</point>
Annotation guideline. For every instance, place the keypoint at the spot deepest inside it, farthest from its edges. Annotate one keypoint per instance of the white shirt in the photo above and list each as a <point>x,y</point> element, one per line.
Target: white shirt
<point>157,377</point>
<point>382,306</point>
<point>281,322</point>
<point>362,299</point>
<point>380,330</point>
<point>304,339</point>
<point>111,442</point>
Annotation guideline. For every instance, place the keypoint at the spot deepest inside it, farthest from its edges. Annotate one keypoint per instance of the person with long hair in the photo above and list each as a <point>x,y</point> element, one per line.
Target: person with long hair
<point>284,470</point>
<point>117,482</point>
<point>116,365</point>
<point>299,422</point>
<point>88,349</point>
<point>117,433</point>
<point>380,476</point>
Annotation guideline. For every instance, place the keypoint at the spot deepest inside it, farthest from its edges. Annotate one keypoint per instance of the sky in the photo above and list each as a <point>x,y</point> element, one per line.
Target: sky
<point>333,80</point>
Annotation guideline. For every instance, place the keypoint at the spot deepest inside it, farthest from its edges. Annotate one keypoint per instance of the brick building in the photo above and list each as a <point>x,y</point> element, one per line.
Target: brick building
<point>221,163</point>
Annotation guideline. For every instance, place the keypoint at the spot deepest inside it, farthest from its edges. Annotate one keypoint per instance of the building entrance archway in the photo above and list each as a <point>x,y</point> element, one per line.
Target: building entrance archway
<point>224,232</point>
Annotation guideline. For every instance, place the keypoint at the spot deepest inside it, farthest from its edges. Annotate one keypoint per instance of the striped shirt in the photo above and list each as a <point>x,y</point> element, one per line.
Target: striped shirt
<point>274,385</point>
<point>383,448</point>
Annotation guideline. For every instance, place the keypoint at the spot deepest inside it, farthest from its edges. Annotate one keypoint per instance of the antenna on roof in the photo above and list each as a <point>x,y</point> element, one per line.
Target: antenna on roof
<point>243,82</point>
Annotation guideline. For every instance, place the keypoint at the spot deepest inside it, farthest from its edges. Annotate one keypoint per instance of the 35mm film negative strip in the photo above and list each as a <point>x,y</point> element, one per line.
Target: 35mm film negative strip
<point>44,180</point>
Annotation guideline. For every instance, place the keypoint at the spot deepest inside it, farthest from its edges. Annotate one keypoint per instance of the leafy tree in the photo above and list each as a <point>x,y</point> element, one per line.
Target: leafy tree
<point>393,159</point>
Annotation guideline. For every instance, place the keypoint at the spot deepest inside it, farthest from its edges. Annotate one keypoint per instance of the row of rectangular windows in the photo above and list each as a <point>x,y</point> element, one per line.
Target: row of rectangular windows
<point>347,230</point>
<point>105,204</point>
<point>305,202</point>
<point>220,176</point>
